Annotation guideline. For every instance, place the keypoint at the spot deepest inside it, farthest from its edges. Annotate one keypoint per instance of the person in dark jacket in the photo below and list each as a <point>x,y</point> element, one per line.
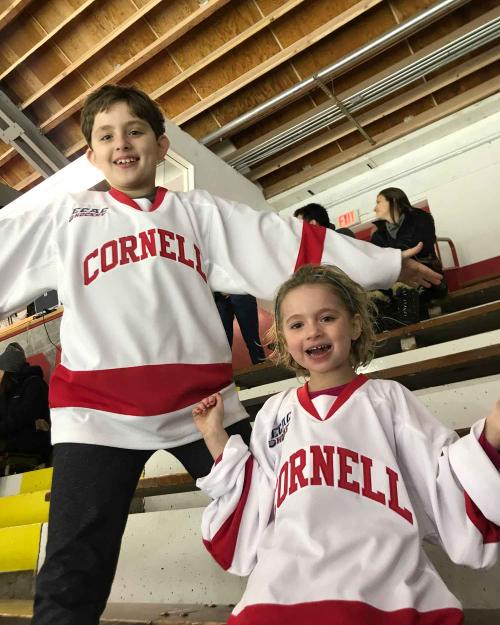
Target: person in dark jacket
<point>403,226</point>
<point>24,409</point>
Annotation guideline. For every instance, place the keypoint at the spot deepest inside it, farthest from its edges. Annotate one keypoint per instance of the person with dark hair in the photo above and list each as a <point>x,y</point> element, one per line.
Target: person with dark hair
<point>402,226</point>
<point>24,407</point>
<point>314,214</point>
<point>318,216</point>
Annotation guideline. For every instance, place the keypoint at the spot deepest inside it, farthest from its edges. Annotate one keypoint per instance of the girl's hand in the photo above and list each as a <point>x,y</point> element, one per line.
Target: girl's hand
<point>414,273</point>
<point>208,417</point>
<point>492,426</point>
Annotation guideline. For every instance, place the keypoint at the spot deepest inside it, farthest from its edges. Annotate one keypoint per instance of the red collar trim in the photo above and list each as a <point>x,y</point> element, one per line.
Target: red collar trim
<point>125,199</point>
<point>306,402</point>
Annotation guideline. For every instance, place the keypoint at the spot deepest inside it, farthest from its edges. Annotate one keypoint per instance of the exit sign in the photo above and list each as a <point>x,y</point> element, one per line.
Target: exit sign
<point>348,219</point>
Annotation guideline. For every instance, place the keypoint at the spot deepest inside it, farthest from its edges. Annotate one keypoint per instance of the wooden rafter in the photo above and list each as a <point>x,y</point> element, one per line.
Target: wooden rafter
<point>436,45</point>
<point>133,63</point>
<point>277,59</point>
<point>419,121</point>
<point>137,60</point>
<point>12,12</point>
<point>130,21</point>
<point>227,47</point>
<point>394,104</point>
<point>47,38</point>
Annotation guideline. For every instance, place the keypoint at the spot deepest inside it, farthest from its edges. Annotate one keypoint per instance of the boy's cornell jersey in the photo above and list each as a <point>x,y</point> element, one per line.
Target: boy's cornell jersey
<point>328,512</point>
<point>141,337</point>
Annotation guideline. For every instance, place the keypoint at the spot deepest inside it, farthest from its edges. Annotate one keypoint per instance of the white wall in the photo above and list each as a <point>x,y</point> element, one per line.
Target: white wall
<point>212,173</point>
<point>458,174</point>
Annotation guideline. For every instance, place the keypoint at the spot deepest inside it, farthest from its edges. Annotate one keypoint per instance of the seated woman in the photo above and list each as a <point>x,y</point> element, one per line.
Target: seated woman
<point>402,226</point>
<point>24,408</point>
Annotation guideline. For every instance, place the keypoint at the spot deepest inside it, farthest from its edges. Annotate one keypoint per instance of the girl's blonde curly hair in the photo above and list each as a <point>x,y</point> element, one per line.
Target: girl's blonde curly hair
<point>350,294</point>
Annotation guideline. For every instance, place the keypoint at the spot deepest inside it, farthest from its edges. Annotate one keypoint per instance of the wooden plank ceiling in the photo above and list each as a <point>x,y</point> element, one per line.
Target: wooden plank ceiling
<point>208,61</point>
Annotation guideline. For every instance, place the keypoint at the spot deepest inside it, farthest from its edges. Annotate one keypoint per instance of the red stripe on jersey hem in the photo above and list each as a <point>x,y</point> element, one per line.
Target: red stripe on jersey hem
<point>311,245</point>
<point>489,531</point>
<point>306,402</point>
<point>223,544</point>
<point>125,199</point>
<point>343,613</point>
<point>138,391</point>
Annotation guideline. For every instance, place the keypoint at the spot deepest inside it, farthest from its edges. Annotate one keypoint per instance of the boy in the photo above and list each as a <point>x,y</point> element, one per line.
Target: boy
<point>126,384</point>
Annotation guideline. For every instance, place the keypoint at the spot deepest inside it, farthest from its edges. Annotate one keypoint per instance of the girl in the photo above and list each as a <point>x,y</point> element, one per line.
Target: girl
<point>344,477</point>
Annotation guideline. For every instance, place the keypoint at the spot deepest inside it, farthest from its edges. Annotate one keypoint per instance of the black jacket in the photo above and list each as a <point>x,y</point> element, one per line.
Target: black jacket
<point>417,226</point>
<point>20,407</point>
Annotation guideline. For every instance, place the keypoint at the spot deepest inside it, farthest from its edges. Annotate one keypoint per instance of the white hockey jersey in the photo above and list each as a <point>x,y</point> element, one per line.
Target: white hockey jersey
<point>328,510</point>
<point>141,337</point>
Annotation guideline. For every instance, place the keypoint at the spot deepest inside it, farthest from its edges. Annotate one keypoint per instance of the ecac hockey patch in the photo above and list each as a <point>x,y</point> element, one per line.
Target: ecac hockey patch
<point>278,433</point>
<point>87,212</point>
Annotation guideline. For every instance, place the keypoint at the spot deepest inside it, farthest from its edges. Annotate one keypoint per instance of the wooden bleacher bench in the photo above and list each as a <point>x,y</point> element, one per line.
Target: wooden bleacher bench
<point>448,327</point>
<point>160,485</point>
<point>480,293</point>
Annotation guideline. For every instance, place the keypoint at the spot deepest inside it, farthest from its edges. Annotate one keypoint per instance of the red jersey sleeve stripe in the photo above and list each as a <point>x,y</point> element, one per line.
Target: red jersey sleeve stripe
<point>138,391</point>
<point>489,531</point>
<point>223,544</point>
<point>311,245</point>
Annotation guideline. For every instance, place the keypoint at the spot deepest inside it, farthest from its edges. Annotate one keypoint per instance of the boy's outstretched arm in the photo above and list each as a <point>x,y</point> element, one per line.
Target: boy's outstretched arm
<point>414,273</point>
<point>208,417</point>
<point>249,251</point>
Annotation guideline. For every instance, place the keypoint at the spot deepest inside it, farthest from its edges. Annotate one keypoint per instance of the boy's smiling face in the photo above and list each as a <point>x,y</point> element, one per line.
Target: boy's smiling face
<point>126,150</point>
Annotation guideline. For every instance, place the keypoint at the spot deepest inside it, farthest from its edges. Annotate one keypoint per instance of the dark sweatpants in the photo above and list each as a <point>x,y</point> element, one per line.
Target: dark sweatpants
<point>92,488</point>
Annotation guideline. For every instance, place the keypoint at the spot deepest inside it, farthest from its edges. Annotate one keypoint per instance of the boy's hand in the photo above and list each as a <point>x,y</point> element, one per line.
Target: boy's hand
<point>492,426</point>
<point>414,273</point>
<point>208,417</point>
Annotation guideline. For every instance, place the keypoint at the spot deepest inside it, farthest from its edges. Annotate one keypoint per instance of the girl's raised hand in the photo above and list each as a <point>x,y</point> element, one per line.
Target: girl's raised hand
<point>492,426</point>
<point>208,417</point>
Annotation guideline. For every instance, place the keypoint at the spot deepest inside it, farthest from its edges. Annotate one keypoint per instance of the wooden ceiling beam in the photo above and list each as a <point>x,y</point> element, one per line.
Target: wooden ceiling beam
<point>47,38</point>
<point>184,26</point>
<point>483,19</point>
<point>429,87</point>
<point>277,59</point>
<point>130,21</point>
<point>453,105</point>
<point>227,47</point>
<point>12,12</point>
<point>169,37</point>
<point>472,65</point>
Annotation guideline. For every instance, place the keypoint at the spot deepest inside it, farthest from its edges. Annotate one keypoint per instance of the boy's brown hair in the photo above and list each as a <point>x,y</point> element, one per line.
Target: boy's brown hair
<point>350,294</point>
<point>139,103</point>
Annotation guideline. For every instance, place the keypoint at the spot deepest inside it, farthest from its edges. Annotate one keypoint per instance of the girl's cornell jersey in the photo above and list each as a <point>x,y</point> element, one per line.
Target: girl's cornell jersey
<point>328,511</point>
<point>142,341</point>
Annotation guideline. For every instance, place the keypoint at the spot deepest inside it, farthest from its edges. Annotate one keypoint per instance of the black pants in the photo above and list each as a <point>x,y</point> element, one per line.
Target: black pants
<point>244,308</point>
<point>92,488</point>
